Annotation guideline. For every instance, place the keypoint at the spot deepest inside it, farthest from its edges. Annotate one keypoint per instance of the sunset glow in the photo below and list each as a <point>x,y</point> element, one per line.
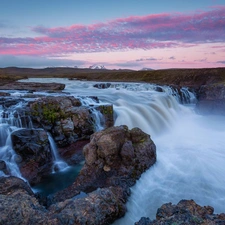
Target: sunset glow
<point>163,40</point>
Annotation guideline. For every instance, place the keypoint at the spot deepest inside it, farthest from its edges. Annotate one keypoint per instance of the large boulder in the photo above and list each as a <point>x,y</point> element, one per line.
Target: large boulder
<point>114,157</point>
<point>33,147</point>
<point>186,212</point>
<point>100,207</point>
<point>65,118</point>
<point>211,99</point>
<point>18,206</point>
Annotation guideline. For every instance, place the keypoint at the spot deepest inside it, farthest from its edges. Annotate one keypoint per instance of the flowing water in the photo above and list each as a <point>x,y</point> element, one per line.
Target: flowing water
<point>58,164</point>
<point>190,147</point>
<point>10,120</point>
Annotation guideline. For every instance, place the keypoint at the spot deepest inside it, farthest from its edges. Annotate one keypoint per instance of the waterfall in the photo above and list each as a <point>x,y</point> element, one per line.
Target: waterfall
<point>10,120</point>
<point>99,122</point>
<point>59,164</point>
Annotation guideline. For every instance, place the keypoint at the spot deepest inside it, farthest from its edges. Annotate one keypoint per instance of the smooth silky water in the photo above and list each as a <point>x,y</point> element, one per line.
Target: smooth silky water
<point>190,147</point>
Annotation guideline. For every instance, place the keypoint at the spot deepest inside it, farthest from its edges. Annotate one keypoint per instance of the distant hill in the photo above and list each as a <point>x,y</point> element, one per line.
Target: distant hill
<point>181,77</point>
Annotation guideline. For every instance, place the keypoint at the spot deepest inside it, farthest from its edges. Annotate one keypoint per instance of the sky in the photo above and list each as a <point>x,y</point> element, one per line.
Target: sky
<point>119,34</point>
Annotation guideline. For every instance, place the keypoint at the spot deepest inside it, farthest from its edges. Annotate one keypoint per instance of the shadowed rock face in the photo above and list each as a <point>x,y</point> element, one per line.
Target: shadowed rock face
<point>34,150</point>
<point>211,100</point>
<point>185,212</point>
<point>114,157</point>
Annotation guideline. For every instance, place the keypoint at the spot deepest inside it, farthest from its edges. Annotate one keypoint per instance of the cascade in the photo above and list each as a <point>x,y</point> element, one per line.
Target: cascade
<point>59,164</point>
<point>97,116</point>
<point>11,119</point>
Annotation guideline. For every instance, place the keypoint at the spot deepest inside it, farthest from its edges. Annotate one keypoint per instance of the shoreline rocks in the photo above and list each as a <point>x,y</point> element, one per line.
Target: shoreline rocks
<point>186,212</point>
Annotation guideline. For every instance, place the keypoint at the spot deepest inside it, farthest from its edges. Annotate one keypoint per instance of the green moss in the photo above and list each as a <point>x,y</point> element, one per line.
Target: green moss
<point>49,112</point>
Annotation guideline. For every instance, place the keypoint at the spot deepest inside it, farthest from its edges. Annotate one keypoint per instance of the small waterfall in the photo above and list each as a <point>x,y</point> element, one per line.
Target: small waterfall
<point>98,118</point>
<point>183,95</point>
<point>59,164</point>
<point>99,121</point>
<point>10,120</point>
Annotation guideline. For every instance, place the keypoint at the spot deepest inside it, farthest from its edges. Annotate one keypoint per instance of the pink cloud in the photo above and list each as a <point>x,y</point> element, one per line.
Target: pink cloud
<point>135,32</point>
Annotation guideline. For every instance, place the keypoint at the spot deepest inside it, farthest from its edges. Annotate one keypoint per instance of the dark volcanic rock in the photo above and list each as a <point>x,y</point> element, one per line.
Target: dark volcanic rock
<point>66,119</point>
<point>211,100</point>
<point>4,94</point>
<point>186,212</point>
<point>102,85</point>
<point>32,86</point>
<point>18,206</point>
<point>100,207</point>
<point>114,157</point>
<point>107,112</point>
<point>8,101</point>
<point>36,157</point>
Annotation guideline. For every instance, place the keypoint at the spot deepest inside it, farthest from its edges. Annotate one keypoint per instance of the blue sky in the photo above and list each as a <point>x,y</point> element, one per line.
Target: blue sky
<point>27,26</point>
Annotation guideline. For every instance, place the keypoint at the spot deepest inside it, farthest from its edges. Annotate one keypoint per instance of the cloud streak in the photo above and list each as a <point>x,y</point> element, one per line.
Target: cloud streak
<point>135,32</point>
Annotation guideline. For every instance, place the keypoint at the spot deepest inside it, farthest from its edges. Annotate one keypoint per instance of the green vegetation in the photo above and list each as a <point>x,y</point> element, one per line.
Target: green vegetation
<point>48,111</point>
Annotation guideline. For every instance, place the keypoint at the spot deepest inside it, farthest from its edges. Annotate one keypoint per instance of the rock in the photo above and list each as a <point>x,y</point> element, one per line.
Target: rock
<point>73,154</point>
<point>32,86</point>
<point>66,119</point>
<point>114,157</point>
<point>100,207</point>
<point>4,94</point>
<point>34,149</point>
<point>185,212</point>
<point>102,85</point>
<point>211,100</point>
<point>8,102</point>
<point>107,112</point>
<point>18,206</point>
<point>3,167</point>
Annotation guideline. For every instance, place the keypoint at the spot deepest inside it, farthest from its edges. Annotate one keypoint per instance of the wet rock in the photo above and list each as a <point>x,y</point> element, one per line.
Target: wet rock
<point>4,94</point>
<point>65,118</point>
<point>35,152</point>
<point>102,85</point>
<point>18,206</point>
<point>107,113</point>
<point>8,102</point>
<point>114,157</point>
<point>211,100</point>
<point>185,212</point>
<point>3,167</point>
<point>73,154</point>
